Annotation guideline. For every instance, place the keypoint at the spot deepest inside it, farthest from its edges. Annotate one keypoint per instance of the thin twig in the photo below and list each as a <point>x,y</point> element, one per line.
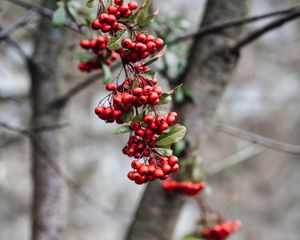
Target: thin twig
<point>255,34</point>
<point>46,12</point>
<point>232,23</point>
<point>240,156</point>
<point>74,186</point>
<point>260,140</point>
<point>21,22</point>
<point>62,100</point>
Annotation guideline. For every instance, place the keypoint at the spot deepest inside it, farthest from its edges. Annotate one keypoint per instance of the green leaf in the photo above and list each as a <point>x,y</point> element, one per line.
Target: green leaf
<point>59,17</point>
<point>157,56</point>
<point>148,20</point>
<point>190,237</point>
<point>150,74</point>
<point>115,42</point>
<point>83,56</point>
<point>138,118</point>
<point>179,147</point>
<point>176,133</point>
<point>173,91</point>
<point>164,151</point>
<point>122,129</point>
<point>164,100</point>
<point>141,14</point>
<point>126,117</point>
<point>189,94</point>
<point>107,74</point>
<point>89,4</point>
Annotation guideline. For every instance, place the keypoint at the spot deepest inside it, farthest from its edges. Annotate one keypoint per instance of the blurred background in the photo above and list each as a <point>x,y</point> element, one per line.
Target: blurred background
<point>262,97</point>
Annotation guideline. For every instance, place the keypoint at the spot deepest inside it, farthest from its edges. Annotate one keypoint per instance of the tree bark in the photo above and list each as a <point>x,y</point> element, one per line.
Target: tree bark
<point>47,202</point>
<point>208,72</point>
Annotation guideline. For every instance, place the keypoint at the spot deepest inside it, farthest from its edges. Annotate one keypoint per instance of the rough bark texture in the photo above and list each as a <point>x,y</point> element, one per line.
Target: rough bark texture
<point>210,66</point>
<point>47,202</point>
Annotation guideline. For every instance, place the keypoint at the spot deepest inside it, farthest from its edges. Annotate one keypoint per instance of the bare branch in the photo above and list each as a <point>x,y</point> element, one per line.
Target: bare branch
<point>46,12</point>
<point>240,156</point>
<point>74,186</point>
<point>255,34</point>
<point>21,22</point>
<point>61,101</point>
<point>233,23</point>
<point>260,140</point>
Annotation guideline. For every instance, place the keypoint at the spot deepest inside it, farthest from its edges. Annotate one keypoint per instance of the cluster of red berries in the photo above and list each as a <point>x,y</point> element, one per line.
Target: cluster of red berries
<point>140,48</point>
<point>221,231</point>
<point>137,97</point>
<point>155,168</point>
<point>103,55</point>
<point>187,188</point>
<point>107,21</point>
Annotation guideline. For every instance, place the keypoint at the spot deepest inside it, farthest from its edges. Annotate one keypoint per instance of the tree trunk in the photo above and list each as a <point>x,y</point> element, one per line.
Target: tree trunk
<point>47,202</point>
<point>209,69</point>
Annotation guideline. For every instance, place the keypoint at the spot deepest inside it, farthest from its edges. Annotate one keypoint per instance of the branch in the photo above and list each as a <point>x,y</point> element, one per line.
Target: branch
<point>255,34</point>
<point>74,186</point>
<point>260,140</point>
<point>62,100</point>
<point>21,22</point>
<point>232,23</point>
<point>46,12</point>
<point>240,156</point>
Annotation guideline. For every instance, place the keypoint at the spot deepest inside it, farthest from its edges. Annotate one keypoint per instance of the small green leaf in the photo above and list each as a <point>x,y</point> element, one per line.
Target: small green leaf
<point>179,147</point>
<point>190,237</point>
<point>138,118</point>
<point>176,133</point>
<point>164,151</point>
<point>157,56</point>
<point>89,4</point>
<point>115,42</point>
<point>148,20</point>
<point>189,94</point>
<point>126,117</point>
<point>164,99</point>
<point>59,17</point>
<point>107,74</point>
<point>141,14</point>
<point>150,74</point>
<point>122,129</point>
<point>83,56</point>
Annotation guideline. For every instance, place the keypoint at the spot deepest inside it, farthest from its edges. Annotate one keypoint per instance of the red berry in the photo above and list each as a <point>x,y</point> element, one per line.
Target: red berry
<point>141,38</point>
<point>158,173</point>
<point>143,170</point>
<point>118,2</point>
<point>140,47</point>
<point>111,19</point>
<point>127,14</point>
<point>137,91</point>
<point>112,9</point>
<point>159,42</point>
<point>172,160</point>
<point>127,43</point>
<point>153,97</point>
<point>132,5</point>
<point>110,87</point>
<point>135,164</point>
<point>96,24</point>
<point>85,43</point>
<point>175,168</point>
<point>140,132</point>
<point>123,8</point>
<point>148,118</point>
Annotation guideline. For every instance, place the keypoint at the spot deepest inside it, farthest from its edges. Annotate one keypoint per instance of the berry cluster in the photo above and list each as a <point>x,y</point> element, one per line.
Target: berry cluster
<point>107,21</point>
<point>140,48</point>
<point>221,231</point>
<point>187,188</point>
<point>103,55</point>
<point>134,100</point>
<point>156,168</point>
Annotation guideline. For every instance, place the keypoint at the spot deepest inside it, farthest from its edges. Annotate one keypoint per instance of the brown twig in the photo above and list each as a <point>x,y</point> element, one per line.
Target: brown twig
<point>240,156</point>
<point>233,23</point>
<point>62,100</point>
<point>74,186</point>
<point>260,140</point>
<point>22,21</point>
<point>255,34</point>
<point>46,12</point>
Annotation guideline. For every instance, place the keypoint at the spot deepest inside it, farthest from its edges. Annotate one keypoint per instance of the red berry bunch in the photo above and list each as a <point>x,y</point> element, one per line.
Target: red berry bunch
<point>221,231</point>
<point>134,100</point>
<point>187,188</point>
<point>140,48</point>
<point>107,21</point>
<point>97,47</point>
<point>153,168</point>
